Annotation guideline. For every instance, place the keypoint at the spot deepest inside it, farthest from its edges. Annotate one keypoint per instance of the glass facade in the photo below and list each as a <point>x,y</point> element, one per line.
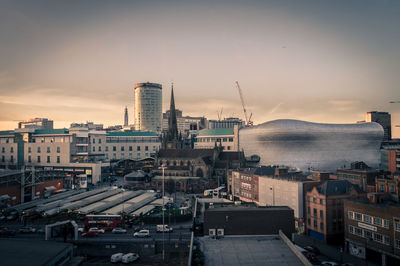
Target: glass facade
<point>313,146</point>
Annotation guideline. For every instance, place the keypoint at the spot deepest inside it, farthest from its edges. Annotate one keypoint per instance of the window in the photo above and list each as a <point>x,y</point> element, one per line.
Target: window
<point>3,150</point>
<point>106,148</point>
<point>146,148</point>
<point>350,215</point>
<point>38,159</point>
<point>321,201</point>
<point>321,213</point>
<point>315,212</point>
<point>351,229</point>
<point>357,216</point>
<point>308,198</point>
<point>3,158</point>
<point>230,139</point>
<point>309,221</point>
<point>48,159</point>
<point>386,240</point>
<point>122,148</point>
<point>58,159</point>
<point>94,148</point>
<point>99,148</point>
<point>38,149</point>
<point>315,224</point>
<point>385,223</point>
<point>48,149</point>
<point>29,149</point>
<point>114,148</point>
<point>367,234</point>
<point>12,149</point>
<point>58,149</point>
<point>397,243</point>
<point>377,221</point>
<point>309,210</point>
<point>94,141</point>
<point>357,231</point>
<point>106,156</point>
<point>130,148</point>
<point>138,148</point>
<point>321,226</point>
<point>12,159</point>
<point>381,187</point>
<point>114,156</point>
<point>314,199</point>
<point>99,141</point>
<point>397,225</point>
<point>29,159</point>
<point>378,237</point>
<point>229,148</point>
<point>367,219</point>
<point>391,189</point>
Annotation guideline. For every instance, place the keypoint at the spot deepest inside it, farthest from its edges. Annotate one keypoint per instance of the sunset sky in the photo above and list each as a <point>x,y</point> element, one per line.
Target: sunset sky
<point>319,61</point>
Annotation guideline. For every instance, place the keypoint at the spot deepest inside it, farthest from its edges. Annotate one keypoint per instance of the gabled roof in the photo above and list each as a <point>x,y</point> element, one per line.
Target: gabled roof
<point>337,187</point>
<point>216,132</point>
<point>185,153</point>
<point>132,134</point>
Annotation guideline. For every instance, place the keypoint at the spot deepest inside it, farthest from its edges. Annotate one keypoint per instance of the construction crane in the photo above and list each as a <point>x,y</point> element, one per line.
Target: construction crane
<point>248,119</point>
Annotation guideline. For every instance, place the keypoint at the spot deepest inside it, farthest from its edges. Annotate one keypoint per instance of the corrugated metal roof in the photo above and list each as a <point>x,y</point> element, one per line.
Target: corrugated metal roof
<point>216,132</point>
<point>132,134</point>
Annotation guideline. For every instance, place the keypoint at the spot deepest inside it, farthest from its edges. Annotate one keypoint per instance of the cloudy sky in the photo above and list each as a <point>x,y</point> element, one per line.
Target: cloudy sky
<point>321,61</point>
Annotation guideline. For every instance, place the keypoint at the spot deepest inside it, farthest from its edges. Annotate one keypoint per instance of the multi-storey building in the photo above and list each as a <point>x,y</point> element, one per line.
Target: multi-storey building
<point>134,145</point>
<point>187,125</point>
<point>324,209</point>
<point>360,174</point>
<point>390,160</point>
<point>383,119</point>
<point>228,138</point>
<point>271,186</point>
<point>36,123</point>
<point>229,122</point>
<point>148,106</point>
<point>74,151</point>
<point>372,229</point>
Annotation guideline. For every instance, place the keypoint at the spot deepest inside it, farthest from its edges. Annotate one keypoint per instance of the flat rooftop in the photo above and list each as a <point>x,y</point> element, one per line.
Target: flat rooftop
<point>30,252</point>
<point>245,207</point>
<point>247,250</point>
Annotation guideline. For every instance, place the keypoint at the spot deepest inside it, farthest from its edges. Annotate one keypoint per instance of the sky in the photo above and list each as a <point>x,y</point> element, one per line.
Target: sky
<point>319,61</point>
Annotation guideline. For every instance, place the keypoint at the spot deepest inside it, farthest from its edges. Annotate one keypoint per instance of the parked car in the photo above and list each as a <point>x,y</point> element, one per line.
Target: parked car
<point>312,249</point>
<point>165,228</point>
<point>130,257</point>
<point>27,229</point>
<point>7,232</point>
<point>81,229</point>
<point>119,230</point>
<point>142,233</point>
<point>117,257</point>
<point>95,229</point>
<point>90,234</point>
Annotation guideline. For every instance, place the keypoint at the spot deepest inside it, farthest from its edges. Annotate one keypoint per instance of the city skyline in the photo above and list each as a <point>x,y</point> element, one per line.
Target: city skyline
<point>313,61</point>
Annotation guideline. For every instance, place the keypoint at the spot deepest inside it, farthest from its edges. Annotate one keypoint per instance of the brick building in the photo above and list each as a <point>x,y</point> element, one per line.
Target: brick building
<point>373,229</point>
<point>324,209</point>
<point>360,174</point>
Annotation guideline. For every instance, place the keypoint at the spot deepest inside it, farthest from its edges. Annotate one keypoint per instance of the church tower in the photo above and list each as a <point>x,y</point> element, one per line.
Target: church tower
<point>172,140</point>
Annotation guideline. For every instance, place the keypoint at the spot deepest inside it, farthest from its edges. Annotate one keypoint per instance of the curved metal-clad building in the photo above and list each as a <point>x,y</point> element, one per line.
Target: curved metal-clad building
<point>307,145</point>
<point>148,106</point>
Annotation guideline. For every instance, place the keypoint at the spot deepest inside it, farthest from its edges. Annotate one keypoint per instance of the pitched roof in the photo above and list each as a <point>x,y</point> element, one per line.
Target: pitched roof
<point>337,187</point>
<point>132,134</point>
<point>216,132</point>
<point>185,153</point>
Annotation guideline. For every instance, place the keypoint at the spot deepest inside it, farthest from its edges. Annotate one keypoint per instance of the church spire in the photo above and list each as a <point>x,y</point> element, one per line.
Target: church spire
<point>172,123</point>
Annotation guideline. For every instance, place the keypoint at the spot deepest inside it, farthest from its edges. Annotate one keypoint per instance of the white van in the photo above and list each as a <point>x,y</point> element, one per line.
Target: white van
<point>130,257</point>
<point>116,257</point>
<point>166,228</point>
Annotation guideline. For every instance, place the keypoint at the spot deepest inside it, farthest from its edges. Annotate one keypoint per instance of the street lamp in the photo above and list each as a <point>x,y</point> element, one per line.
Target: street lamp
<point>163,209</point>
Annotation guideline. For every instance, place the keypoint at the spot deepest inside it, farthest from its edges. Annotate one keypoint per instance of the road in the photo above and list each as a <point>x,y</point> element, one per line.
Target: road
<point>177,234</point>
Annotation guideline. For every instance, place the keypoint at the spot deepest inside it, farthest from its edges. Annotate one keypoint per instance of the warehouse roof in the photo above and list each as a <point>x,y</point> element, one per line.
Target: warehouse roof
<point>51,131</point>
<point>132,134</point>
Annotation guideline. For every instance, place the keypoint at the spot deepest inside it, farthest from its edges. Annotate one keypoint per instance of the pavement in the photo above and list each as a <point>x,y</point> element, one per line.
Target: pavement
<point>329,252</point>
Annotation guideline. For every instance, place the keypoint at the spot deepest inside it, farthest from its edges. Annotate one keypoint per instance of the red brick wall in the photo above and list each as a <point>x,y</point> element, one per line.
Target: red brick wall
<point>57,183</point>
<point>12,192</point>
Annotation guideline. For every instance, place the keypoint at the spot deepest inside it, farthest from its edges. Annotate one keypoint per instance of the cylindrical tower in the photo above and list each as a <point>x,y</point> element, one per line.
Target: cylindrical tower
<point>148,106</point>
